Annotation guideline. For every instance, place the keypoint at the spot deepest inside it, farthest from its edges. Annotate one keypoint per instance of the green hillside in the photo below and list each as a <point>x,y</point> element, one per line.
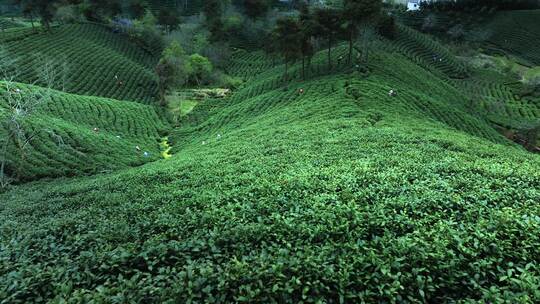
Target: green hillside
<point>75,135</point>
<point>327,190</point>
<point>93,54</point>
<point>429,53</point>
<point>518,33</point>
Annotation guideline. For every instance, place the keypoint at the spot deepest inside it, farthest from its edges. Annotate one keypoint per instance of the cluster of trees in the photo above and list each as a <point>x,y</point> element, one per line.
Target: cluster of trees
<point>176,68</point>
<point>92,10</point>
<point>222,26</point>
<point>479,5</point>
<point>294,37</point>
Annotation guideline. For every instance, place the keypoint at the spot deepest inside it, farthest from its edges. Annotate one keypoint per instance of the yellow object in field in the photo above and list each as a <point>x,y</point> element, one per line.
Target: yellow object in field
<point>165,148</point>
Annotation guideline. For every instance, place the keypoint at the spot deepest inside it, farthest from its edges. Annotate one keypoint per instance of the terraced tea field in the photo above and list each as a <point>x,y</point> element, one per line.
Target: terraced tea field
<point>93,54</point>
<point>76,135</point>
<point>500,101</point>
<point>518,33</point>
<point>425,51</point>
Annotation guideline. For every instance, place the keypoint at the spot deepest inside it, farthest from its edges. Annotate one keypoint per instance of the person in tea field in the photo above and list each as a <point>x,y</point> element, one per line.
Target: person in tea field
<point>118,81</point>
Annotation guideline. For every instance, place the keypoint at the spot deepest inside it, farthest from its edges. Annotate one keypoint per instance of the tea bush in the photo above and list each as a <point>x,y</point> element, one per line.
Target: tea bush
<point>427,52</point>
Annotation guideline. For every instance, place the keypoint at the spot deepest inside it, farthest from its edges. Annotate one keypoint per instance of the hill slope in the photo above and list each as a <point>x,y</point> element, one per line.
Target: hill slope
<point>74,135</point>
<point>518,33</point>
<point>326,190</point>
<point>93,55</point>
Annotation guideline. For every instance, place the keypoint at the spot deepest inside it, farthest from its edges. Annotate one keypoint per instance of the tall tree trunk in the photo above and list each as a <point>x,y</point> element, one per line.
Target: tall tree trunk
<point>367,55</point>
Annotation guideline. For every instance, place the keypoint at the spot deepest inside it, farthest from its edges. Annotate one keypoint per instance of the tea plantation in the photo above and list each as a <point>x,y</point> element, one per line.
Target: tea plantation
<point>98,61</point>
<point>74,135</point>
<point>518,33</point>
<point>325,190</point>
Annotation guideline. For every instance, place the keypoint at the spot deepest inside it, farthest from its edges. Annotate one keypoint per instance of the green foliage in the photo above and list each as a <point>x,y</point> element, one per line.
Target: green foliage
<point>429,53</point>
<point>517,33</point>
<point>77,135</point>
<point>327,190</point>
<point>168,19</point>
<point>94,56</point>
<point>340,193</point>
<point>213,11</point>
<point>287,37</point>
<point>137,8</point>
<point>256,8</point>
<point>173,69</point>
<point>201,68</point>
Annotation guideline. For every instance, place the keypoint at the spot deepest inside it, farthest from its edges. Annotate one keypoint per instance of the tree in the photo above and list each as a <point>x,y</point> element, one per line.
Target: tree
<point>68,14</point>
<point>327,22</point>
<point>213,11</point>
<point>356,12</point>
<point>172,70</point>
<point>200,68</point>
<point>270,48</point>
<point>368,35</point>
<point>307,28</point>
<point>256,8</point>
<point>28,11</point>
<point>98,10</point>
<point>168,19</point>
<point>45,9</point>
<point>287,35</point>
<point>137,8</point>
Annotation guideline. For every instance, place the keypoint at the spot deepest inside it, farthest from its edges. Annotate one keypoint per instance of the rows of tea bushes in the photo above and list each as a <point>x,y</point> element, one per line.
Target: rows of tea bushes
<point>517,32</point>
<point>437,100</point>
<point>496,96</point>
<point>7,23</point>
<point>338,193</point>
<point>427,52</point>
<point>249,64</point>
<point>74,135</point>
<point>99,62</point>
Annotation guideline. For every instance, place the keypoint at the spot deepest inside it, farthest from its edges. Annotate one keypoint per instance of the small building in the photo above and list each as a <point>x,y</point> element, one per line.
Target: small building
<point>413,5</point>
